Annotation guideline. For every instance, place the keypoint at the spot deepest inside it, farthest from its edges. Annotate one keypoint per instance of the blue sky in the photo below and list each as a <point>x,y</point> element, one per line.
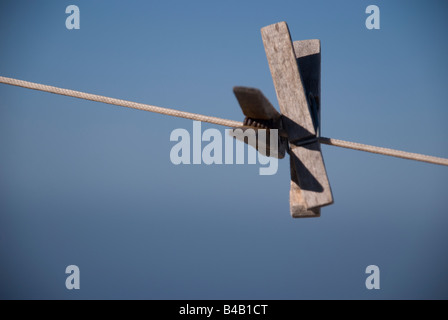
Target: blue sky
<point>92,185</point>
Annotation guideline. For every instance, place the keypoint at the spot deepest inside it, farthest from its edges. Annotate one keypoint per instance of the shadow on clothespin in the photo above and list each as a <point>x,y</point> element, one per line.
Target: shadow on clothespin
<point>295,70</point>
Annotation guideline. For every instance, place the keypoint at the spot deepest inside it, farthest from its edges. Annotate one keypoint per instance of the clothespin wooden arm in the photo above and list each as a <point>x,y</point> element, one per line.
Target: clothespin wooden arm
<point>297,92</point>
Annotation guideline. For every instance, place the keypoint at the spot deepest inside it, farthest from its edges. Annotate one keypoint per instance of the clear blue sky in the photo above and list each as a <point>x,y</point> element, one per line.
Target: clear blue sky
<point>92,185</point>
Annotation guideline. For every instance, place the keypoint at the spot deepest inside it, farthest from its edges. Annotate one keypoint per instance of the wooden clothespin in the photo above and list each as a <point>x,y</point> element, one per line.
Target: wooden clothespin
<point>295,70</point>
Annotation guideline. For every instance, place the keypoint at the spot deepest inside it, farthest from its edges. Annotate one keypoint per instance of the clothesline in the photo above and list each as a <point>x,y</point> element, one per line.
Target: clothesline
<point>214,120</point>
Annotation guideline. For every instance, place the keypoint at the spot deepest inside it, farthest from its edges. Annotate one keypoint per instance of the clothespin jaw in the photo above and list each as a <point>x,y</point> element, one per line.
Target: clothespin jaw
<point>260,114</point>
<point>295,70</point>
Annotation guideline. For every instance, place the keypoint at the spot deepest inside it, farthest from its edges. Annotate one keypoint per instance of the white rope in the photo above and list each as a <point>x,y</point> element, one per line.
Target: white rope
<point>384,151</point>
<point>214,120</point>
<point>119,102</point>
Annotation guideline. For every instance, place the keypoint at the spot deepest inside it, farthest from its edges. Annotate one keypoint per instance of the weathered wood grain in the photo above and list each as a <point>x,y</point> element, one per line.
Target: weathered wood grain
<point>254,104</point>
<point>287,81</point>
